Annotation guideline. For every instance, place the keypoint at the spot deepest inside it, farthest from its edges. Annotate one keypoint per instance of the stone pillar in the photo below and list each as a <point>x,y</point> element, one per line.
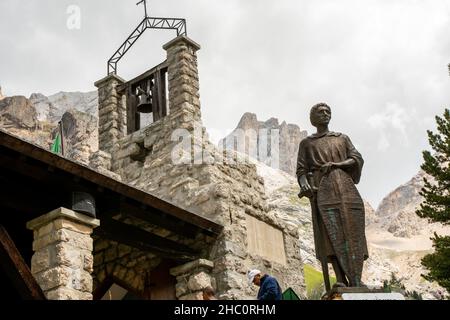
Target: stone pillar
<point>112,113</point>
<point>184,96</point>
<point>62,262</point>
<point>192,278</point>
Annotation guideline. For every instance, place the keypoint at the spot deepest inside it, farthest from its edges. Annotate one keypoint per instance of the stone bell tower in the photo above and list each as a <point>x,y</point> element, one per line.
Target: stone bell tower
<point>173,159</point>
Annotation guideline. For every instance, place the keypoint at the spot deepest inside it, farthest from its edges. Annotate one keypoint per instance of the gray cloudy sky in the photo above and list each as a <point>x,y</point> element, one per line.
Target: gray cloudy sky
<point>380,64</point>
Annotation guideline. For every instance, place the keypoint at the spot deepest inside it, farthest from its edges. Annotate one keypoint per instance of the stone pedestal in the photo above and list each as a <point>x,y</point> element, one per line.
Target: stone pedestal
<point>62,263</point>
<point>362,294</point>
<point>112,113</point>
<point>192,278</point>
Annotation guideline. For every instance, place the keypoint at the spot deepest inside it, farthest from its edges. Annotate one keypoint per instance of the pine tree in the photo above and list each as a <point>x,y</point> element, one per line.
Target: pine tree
<point>395,285</point>
<point>436,204</point>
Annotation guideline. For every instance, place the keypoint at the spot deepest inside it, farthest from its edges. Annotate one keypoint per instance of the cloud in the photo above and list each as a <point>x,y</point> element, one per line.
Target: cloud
<point>383,142</point>
<point>380,64</point>
<point>392,124</point>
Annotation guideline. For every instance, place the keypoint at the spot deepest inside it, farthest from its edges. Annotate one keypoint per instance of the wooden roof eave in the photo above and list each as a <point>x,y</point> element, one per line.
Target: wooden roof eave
<point>28,149</point>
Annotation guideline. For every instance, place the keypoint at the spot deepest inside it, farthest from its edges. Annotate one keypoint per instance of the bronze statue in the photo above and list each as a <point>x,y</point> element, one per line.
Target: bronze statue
<point>328,167</point>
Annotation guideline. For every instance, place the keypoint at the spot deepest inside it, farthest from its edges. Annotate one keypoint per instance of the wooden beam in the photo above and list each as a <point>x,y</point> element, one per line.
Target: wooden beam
<point>163,94</point>
<point>133,117</point>
<point>46,176</point>
<point>26,195</point>
<point>19,165</point>
<point>17,270</point>
<point>44,190</point>
<point>22,203</point>
<point>143,240</point>
<point>160,219</point>
<point>121,88</point>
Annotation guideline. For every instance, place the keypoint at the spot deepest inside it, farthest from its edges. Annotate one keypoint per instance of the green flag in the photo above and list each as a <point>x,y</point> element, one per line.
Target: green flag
<point>56,146</point>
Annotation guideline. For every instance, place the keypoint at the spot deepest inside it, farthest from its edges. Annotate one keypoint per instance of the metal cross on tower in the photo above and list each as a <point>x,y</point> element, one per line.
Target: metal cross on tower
<point>148,23</point>
<point>145,6</point>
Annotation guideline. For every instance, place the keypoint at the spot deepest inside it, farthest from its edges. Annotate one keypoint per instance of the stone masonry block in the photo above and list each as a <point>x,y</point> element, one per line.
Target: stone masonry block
<point>184,80</point>
<point>41,261</point>
<point>67,255</point>
<point>53,278</point>
<point>44,241</point>
<point>186,88</point>
<point>180,99</point>
<point>190,267</point>
<point>75,239</point>
<point>183,71</point>
<point>110,124</point>
<point>199,281</point>
<point>45,230</point>
<point>73,226</point>
<point>82,281</point>
<point>88,263</point>
<point>106,110</point>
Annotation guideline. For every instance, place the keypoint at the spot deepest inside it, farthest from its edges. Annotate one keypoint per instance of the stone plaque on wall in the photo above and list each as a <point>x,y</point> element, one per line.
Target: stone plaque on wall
<point>265,240</point>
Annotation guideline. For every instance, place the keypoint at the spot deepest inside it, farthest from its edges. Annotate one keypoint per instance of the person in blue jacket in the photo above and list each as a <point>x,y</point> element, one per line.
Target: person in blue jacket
<point>269,289</point>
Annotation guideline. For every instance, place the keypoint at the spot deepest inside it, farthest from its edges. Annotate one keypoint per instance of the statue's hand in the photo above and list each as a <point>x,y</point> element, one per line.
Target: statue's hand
<point>305,188</point>
<point>327,167</point>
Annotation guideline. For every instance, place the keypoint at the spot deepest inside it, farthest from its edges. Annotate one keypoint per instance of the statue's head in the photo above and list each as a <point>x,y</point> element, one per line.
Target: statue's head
<point>320,114</point>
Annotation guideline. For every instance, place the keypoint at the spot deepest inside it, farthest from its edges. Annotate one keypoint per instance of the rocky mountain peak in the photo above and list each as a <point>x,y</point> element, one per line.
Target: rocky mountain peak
<point>397,212</point>
<point>37,96</point>
<point>1,94</point>
<point>36,119</point>
<point>248,121</point>
<point>81,134</point>
<point>43,106</point>
<point>17,112</point>
<point>52,108</point>
<point>272,123</point>
<point>290,136</point>
<point>404,197</point>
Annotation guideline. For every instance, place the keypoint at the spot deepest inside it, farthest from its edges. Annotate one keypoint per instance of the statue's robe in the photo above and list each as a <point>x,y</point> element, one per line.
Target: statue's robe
<point>337,208</point>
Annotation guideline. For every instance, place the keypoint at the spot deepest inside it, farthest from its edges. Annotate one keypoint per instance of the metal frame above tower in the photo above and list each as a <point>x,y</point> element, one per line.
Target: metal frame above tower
<point>148,23</point>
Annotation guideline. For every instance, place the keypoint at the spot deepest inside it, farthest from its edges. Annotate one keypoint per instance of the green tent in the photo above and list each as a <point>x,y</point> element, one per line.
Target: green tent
<point>290,294</point>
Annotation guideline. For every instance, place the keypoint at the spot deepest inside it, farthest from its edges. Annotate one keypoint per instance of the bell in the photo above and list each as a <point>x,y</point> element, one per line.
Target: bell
<point>145,104</point>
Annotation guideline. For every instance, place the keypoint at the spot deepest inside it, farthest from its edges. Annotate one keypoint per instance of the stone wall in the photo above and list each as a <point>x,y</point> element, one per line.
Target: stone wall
<point>174,160</point>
